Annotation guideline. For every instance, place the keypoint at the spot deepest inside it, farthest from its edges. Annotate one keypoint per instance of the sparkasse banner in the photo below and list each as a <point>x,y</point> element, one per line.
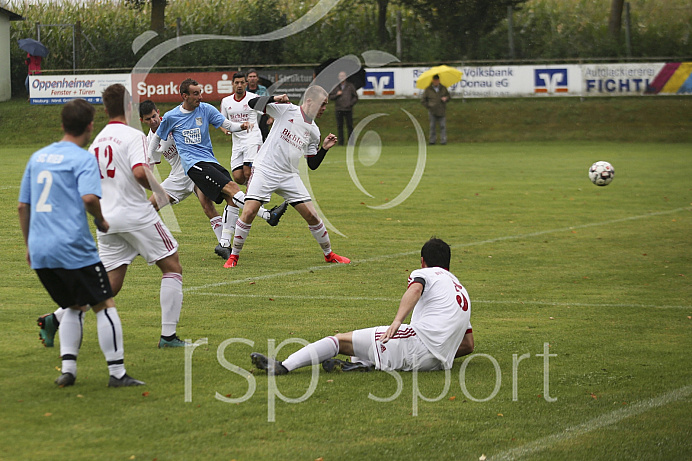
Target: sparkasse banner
<point>166,87</point>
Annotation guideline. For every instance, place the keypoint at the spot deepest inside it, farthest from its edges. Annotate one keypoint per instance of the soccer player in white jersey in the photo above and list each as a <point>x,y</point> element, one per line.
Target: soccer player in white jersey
<point>136,228</point>
<point>246,144</point>
<point>60,185</point>
<point>294,134</point>
<point>177,185</point>
<point>189,124</point>
<point>440,328</point>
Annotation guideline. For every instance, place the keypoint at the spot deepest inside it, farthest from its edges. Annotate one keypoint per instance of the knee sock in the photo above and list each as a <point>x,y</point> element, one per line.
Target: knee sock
<point>217,226</point>
<point>230,216</point>
<point>322,236</point>
<point>110,332</point>
<point>59,314</point>
<point>242,230</point>
<point>71,329</point>
<point>171,302</point>
<point>324,349</point>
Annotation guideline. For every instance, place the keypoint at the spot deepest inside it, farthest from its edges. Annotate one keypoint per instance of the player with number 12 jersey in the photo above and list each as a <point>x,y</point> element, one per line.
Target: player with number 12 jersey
<point>120,148</point>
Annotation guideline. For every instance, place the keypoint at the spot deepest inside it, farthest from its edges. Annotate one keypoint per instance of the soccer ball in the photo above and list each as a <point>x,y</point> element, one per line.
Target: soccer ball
<point>601,173</point>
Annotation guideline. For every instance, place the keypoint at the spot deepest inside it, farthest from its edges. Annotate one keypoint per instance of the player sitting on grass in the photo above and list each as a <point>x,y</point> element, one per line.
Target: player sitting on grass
<point>439,331</point>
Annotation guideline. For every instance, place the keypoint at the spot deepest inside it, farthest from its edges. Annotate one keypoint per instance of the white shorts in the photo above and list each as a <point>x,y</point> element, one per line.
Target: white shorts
<point>290,187</point>
<point>404,352</point>
<point>153,242</point>
<point>178,188</point>
<point>243,154</point>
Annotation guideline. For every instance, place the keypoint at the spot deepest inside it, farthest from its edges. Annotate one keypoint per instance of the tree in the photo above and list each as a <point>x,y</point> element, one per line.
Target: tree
<point>461,24</point>
<point>382,20</point>
<point>158,10</point>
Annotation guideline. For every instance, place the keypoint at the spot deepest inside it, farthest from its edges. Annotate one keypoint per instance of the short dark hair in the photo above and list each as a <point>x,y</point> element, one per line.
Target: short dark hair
<point>436,253</point>
<point>146,107</point>
<point>187,83</point>
<point>76,116</point>
<point>251,71</point>
<point>114,99</point>
<point>238,75</point>
<point>436,77</point>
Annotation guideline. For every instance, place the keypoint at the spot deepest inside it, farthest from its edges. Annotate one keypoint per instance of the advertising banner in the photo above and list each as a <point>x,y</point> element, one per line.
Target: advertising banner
<point>58,89</point>
<point>166,87</point>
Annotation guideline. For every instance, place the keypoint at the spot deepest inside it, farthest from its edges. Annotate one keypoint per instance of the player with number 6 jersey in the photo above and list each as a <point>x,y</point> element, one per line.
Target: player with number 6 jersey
<point>440,328</point>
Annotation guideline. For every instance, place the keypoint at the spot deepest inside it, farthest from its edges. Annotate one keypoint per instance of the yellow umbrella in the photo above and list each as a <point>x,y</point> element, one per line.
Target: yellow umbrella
<point>448,76</point>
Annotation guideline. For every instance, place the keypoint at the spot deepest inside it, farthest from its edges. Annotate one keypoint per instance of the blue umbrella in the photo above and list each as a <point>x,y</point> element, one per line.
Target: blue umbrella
<point>33,47</point>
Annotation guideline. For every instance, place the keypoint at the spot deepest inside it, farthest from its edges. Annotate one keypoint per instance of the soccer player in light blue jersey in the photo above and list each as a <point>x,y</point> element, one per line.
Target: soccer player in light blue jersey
<point>189,123</point>
<point>60,185</point>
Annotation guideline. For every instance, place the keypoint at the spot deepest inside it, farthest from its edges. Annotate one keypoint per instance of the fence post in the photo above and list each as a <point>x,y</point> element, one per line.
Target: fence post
<point>398,34</point>
<point>628,30</point>
<point>510,31</point>
<point>78,41</point>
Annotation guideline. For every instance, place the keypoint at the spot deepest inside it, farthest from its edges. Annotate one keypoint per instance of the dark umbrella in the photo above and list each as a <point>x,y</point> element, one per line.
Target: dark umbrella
<point>357,79</point>
<point>33,47</point>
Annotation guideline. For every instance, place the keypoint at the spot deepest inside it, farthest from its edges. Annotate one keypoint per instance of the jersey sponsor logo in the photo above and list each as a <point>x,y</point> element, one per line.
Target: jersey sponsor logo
<point>198,121</point>
<point>193,136</point>
<point>381,82</point>
<point>550,81</point>
<point>293,139</point>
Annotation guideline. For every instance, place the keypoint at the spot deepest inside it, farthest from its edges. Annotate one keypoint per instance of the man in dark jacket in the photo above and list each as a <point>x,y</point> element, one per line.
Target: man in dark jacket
<point>435,99</point>
<point>344,97</point>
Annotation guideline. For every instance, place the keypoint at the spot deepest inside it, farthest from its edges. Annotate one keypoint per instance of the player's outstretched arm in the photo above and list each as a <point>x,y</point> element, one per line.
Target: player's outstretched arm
<point>92,204</point>
<point>408,302</point>
<point>261,102</point>
<point>466,347</point>
<point>314,161</point>
<point>144,177</point>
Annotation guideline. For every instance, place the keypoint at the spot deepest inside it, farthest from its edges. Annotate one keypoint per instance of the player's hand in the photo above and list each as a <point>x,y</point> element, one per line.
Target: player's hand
<point>391,331</point>
<point>281,98</point>
<point>224,130</point>
<point>329,141</point>
<point>247,126</point>
<point>102,225</point>
<point>270,120</point>
<point>28,257</point>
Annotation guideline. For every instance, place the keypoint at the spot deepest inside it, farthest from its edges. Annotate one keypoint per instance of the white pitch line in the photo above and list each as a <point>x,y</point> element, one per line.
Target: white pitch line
<point>594,424</point>
<point>384,299</point>
<point>462,245</point>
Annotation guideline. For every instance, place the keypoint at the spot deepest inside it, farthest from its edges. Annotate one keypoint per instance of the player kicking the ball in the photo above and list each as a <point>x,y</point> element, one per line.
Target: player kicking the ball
<point>440,328</point>
<point>275,169</point>
<point>189,124</point>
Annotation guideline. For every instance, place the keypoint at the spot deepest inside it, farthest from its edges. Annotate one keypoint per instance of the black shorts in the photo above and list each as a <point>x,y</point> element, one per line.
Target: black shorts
<point>210,178</point>
<point>77,287</point>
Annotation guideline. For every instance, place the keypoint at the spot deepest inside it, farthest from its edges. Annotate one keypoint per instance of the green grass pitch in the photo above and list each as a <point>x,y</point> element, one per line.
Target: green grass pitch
<point>596,277</point>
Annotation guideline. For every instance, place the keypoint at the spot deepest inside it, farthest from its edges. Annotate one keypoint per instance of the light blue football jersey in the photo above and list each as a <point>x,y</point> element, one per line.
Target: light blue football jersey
<point>191,132</point>
<point>55,179</point>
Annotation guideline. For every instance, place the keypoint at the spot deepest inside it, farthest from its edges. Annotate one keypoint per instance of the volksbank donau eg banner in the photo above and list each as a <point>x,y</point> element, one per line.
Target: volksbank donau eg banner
<point>58,89</point>
<point>540,81</point>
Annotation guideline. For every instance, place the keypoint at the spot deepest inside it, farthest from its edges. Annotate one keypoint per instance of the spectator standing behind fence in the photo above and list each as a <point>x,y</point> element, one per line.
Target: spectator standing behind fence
<point>344,97</point>
<point>435,98</point>
<point>34,64</point>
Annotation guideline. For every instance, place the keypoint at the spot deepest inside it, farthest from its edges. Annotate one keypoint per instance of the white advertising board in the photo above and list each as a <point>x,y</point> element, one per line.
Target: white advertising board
<point>58,89</point>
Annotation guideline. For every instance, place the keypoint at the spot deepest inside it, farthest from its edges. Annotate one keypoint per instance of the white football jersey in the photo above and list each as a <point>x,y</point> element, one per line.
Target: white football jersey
<point>119,148</point>
<point>240,112</point>
<point>168,150</point>
<point>442,314</point>
<point>292,136</point>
